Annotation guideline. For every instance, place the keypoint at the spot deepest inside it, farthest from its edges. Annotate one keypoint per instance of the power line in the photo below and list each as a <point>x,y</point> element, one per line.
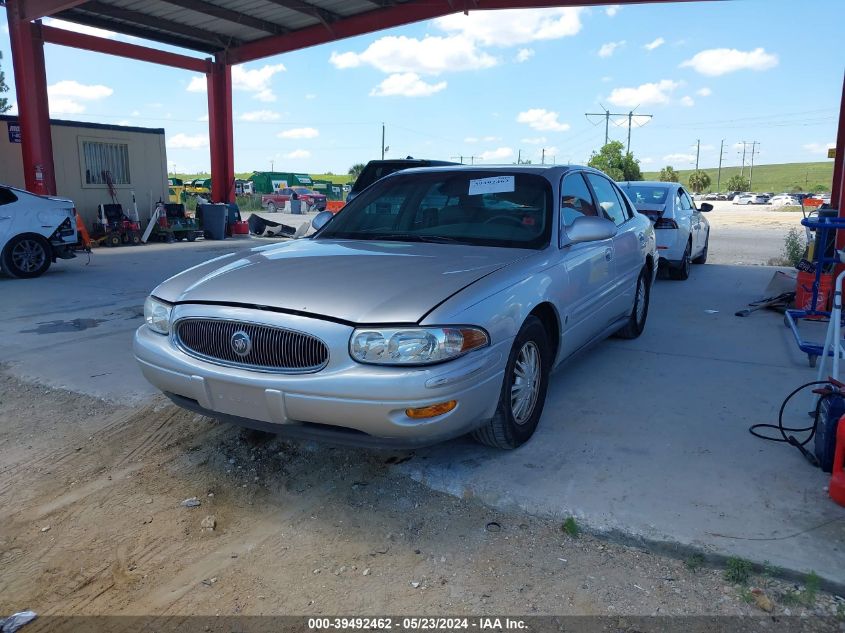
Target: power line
<point>607,114</point>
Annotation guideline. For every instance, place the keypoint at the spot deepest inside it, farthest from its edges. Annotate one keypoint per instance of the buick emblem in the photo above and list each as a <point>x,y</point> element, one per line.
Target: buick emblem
<point>241,343</point>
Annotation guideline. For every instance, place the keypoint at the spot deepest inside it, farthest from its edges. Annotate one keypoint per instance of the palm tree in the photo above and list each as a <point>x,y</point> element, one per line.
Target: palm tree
<point>356,170</point>
<point>699,181</point>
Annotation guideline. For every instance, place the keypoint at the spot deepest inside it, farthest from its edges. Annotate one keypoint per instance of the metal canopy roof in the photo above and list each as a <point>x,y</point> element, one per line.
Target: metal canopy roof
<point>214,26</point>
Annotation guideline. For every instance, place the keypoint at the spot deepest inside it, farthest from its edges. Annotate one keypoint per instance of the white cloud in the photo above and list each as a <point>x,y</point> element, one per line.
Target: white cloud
<point>818,148</point>
<point>646,94</point>
<point>428,56</point>
<point>720,61</point>
<point>260,116</point>
<point>704,92</point>
<point>541,119</point>
<point>406,85</point>
<point>65,96</point>
<point>298,153</point>
<point>184,141</point>
<point>687,101</point>
<point>300,132</point>
<point>255,80</point>
<point>65,106</point>
<point>500,153</point>
<point>608,49</point>
<point>79,28</point>
<point>707,148</point>
<point>606,79</point>
<point>647,160</point>
<point>123,122</point>
<point>138,113</point>
<point>524,54</point>
<point>535,140</point>
<point>654,44</point>
<point>679,158</point>
<point>198,83</point>
<point>310,96</point>
<point>76,90</point>
<point>510,27</point>
<point>612,10</point>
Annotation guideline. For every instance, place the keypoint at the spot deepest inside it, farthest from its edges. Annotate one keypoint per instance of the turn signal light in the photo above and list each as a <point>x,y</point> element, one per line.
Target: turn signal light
<point>432,410</point>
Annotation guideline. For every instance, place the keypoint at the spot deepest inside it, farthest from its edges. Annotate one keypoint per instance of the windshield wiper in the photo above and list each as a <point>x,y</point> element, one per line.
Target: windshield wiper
<point>411,237</point>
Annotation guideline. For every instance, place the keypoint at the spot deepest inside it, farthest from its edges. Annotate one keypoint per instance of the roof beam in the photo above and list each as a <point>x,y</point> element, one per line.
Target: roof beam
<point>236,17</point>
<point>168,26</point>
<point>89,19</point>
<point>64,37</point>
<point>34,9</point>
<point>324,15</point>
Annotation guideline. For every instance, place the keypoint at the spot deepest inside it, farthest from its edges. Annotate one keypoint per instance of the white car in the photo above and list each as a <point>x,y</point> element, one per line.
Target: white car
<point>34,232</point>
<point>785,200</point>
<point>683,234</point>
<point>750,198</point>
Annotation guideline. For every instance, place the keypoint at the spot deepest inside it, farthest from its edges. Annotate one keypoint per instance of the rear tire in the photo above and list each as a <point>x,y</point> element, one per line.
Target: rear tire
<point>523,389</point>
<point>680,271</point>
<point>639,313</point>
<point>26,256</point>
<point>702,258</point>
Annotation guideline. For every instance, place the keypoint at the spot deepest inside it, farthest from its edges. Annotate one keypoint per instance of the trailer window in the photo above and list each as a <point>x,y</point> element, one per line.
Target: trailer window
<point>106,161</point>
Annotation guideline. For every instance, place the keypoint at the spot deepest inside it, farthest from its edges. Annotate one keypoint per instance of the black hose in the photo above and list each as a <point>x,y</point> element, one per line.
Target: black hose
<point>791,439</point>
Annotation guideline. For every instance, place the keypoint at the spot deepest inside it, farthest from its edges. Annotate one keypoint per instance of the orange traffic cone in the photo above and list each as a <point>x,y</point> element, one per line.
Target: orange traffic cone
<point>84,238</point>
<point>837,480</point>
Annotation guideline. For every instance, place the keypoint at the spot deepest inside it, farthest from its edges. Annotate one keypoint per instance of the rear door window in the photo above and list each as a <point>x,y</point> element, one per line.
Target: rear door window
<point>6,196</point>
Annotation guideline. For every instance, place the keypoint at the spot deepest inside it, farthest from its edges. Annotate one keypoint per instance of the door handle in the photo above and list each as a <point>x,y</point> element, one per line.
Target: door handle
<point>608,254</point>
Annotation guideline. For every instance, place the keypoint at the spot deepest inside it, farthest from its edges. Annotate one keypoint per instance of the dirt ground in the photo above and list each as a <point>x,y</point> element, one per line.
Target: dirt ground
<point>93,523</point>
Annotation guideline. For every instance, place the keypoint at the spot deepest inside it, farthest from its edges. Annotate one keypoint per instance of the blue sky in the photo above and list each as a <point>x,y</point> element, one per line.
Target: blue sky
<point>494,85</point>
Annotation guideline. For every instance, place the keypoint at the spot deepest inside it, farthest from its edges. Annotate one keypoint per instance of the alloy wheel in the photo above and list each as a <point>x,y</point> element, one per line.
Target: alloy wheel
<point>28,255</point>
<point>525,385</point>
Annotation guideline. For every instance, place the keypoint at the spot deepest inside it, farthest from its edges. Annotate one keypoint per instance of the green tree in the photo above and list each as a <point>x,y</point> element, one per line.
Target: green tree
<point>611,160</point>
<point>356,170</point>
<point>738,183</point>
<point>668,174</point>
<point>699,181</point>
<point>5,106</point>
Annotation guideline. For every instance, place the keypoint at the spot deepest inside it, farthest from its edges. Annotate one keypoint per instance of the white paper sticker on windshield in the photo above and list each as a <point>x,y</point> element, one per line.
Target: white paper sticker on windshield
<point>497,184</point>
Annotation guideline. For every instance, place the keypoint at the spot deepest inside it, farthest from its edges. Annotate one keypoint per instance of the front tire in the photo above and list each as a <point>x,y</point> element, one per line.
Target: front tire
<point>523,392</point>
<point>26,256</point>
<point>639,313</point>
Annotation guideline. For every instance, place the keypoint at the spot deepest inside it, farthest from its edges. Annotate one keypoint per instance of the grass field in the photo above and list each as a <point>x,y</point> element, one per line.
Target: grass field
<point>775,178</point>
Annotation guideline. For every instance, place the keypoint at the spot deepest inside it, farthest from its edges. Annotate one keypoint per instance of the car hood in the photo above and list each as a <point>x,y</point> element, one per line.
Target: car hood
<point>348,280</point>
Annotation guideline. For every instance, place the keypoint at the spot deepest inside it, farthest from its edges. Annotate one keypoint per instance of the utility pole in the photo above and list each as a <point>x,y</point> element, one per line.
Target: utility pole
<point>543,157</point>
<point>719,176</point>
<point>461,158</point>
<point>271,165</point>
<point>382,141</point>
<point>607,114</point>
<point>754,144</point>
<point>742,169</point>
<point>697,152</point>
<point>519,158</point>
<point>630,120</point>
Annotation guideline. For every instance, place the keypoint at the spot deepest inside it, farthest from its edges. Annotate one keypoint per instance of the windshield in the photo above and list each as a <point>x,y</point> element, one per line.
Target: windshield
<point>643,194</point>
<point>467,207</point>
<point>303,190</point>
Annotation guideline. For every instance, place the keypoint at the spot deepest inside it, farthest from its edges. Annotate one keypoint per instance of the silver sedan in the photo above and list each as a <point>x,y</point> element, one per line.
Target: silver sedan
<point>435,304</point>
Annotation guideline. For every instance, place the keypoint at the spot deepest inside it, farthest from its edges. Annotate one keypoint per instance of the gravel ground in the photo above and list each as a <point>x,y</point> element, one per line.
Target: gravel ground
<point>94,523</point>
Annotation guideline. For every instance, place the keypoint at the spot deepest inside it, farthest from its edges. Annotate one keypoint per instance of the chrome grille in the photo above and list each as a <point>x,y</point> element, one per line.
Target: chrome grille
<point>273,348</point>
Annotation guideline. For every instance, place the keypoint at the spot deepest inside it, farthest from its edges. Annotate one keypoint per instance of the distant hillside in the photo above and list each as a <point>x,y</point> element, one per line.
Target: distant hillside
<point>776,178</point>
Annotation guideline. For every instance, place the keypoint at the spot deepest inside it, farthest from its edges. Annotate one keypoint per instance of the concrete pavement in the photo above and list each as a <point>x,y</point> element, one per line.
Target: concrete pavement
<point>646,440</point>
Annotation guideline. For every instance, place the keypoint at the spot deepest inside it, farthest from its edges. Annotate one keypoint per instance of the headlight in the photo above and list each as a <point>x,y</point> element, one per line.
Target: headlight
<point>414,346</point>
<point>157,315</point>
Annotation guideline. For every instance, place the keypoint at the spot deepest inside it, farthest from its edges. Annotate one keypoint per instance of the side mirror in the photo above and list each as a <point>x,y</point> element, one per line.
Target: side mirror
<point>589,229</point>
<point>705,207</point>
<point>321,219</point>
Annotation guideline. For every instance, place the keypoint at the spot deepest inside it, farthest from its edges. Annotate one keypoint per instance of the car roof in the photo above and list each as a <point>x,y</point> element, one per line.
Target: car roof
<point>549,171</point>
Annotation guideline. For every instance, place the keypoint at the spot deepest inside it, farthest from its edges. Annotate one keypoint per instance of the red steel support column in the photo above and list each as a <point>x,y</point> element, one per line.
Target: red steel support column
<point>220,136</point>
<point>837,192</point>
<point>33,108</point>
